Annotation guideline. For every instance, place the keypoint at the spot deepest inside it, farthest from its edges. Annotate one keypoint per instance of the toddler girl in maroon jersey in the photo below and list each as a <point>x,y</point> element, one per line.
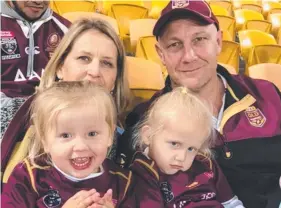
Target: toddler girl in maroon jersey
<point>74,126</point>
<point>175,137</point>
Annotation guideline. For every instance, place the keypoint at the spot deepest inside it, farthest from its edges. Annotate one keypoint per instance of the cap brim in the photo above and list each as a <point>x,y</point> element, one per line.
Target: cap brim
<point>179,13</point>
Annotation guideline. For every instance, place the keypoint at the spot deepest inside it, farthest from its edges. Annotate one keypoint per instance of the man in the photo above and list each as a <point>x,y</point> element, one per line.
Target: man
<point>246,112</point>
<point>30,32</point>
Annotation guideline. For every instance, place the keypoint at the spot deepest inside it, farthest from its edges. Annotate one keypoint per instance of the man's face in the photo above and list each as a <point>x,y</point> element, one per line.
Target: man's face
<point>189,52</point>
<point>30,10</point>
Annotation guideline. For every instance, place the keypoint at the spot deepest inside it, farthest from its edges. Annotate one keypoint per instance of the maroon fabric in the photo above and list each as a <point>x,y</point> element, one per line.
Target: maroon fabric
<point>181,8</point>
<point>203,185</point>
<point>14,82</point>
<point>53,189</point>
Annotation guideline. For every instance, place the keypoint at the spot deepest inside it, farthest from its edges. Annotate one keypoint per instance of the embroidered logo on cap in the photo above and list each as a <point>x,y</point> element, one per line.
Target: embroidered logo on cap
<point>52,199</point>
<point>179,4</point>
<point>166,191</point>
<point>255,116</point>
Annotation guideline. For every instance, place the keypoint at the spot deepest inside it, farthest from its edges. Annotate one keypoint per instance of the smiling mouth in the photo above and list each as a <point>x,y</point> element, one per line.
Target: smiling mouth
<point>81,163</point>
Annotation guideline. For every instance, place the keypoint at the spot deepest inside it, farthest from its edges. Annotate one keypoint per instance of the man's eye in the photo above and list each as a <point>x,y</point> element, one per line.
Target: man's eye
<point>173,45</point>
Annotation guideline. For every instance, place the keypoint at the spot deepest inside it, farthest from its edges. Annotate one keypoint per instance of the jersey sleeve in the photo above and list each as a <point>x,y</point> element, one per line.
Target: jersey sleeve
<point>20,189</point>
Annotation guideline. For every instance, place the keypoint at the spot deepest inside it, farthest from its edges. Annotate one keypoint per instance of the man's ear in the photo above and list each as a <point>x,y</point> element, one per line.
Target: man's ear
<point>219,41</point>
<point>159,51</point>
<point>146,134</point>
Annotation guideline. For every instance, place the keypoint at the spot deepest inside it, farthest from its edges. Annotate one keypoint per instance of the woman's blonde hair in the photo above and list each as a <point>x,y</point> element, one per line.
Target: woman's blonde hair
<point>121,90</point>
<point>177,102</point>
<point>49,102</point>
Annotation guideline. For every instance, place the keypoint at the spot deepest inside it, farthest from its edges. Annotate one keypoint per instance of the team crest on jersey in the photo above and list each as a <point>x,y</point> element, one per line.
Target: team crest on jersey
<point>52,199</point>
<point>255,116</point>
<point>179,4</point>
<point>9,46</point>
<point>53,41</point>
<point>166,191</point>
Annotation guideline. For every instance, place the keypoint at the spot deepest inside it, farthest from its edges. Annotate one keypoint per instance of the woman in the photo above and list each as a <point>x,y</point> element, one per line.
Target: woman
<point>90,50</point>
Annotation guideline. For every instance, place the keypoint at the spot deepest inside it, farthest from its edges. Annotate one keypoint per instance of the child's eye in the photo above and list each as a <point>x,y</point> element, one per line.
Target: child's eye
<point>65,135</point>
<point>191,149</point>
<point>175,144</point>
<point>92,133</point>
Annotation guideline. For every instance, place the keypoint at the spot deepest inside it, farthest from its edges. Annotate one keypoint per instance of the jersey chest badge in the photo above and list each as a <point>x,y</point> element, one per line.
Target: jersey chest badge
<point>9,46</point>
<point>52,199</point>
<point>255,116</point>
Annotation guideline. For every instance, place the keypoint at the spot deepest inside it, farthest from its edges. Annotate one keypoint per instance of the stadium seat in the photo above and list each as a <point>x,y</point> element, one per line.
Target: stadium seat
<point>267,71</point>
<point>254,5</point>
<point>229,68</point>
<point>219,10</point>
<point>157,7</point>
<point>146,49</point>
<point>270,8</point>
<point>227,25</point>
<point>248,19</point>
<point>144,77</point>
<point>279,36</point>
<point>62,7</point>
<point>275,20</point>
<point>223,3</point>
<point>106,5</point>
<point>230,54</point>
<point>140,28</point>
<point>73,16</point>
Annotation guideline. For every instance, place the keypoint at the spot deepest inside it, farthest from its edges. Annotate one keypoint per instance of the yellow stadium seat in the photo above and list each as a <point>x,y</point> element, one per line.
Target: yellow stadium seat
<point>140,28</point>
<point>146,49</point>
<point>254,5</point>
<point>62,7</point>
<point>227,25</point>
<point>229,68</point>
<point>123,13</point>
<point>144,77</point>
<point>248,19</point>
<point>275,20</point>
<point>157,7</point>
<point>106,5</point>
<point>271,7</point>
<point>279,37</point>
<point>269,72</point>
<point>251,38</point>
<point>230,54</point>
<point>223,3</point>
<point>265,54</point>
<point>73,16</point>
<point>219,10</point>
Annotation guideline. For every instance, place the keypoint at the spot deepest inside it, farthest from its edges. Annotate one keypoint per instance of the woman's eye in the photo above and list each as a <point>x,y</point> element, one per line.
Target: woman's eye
<point>106,63</point>
<point>84,58</point>
<point>92,133</point>
<point>65,135</point>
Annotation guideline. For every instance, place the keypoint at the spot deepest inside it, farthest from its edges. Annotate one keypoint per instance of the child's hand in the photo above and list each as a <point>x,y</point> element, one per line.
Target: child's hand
<point>105,201</point>
<point>82,199</point>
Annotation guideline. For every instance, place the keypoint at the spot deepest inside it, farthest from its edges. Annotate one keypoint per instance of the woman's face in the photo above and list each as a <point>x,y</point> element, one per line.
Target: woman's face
<point>93,57</point>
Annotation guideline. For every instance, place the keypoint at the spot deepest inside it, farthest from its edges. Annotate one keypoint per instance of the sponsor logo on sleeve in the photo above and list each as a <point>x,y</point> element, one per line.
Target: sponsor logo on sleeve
<point>255,116</point>
<point>9,46</point>
<point>166,191</point>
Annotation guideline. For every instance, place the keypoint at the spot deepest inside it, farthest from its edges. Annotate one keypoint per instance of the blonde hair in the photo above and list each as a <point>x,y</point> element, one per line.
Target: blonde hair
<point>178,102</point>
<point>50,102</point>
<point>121,90</point>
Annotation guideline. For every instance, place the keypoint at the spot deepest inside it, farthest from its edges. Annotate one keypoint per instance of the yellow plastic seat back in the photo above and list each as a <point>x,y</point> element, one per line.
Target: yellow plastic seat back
<point>265,54</point>
<point>157,7</point>
<point>19,153</point>
<point>268,71</point>
<point>275,20</point>
<point>106,5</point>
<point>227,24</point>
<point>242,16</point>
<point>140,28</point>
<point>74,16</point>
<point>271,7</point>
<point>254,5</point>
<point>144,77</point>
<point>225,4</point>
<point>261,25</point>
<point>230,54</point>
<point>251,38</point>
<point>62,7</point>
<point>219,10</point>
<point>123,13</point>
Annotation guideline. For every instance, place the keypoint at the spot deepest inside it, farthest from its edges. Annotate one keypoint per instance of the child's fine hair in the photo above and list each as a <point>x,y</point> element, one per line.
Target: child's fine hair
<point>177,102</point>
<point>48,103</point>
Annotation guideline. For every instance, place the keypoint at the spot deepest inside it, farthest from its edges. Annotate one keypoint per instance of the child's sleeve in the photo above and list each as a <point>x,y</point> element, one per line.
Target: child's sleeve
<point>224,192</point>
<point>19,190</point>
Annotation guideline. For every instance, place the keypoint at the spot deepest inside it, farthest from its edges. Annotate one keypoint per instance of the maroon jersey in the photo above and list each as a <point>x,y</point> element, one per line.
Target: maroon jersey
<point>203,185</point>
<point>17,36</point>
<point>43,186</point>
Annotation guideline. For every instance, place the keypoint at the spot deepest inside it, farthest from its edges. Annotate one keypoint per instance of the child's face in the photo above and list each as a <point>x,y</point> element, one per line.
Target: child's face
<point>80,143</point>
<point>175,146</point>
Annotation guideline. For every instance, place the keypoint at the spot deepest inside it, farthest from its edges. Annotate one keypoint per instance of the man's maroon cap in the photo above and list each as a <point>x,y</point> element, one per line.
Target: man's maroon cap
<point>180,9</point>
